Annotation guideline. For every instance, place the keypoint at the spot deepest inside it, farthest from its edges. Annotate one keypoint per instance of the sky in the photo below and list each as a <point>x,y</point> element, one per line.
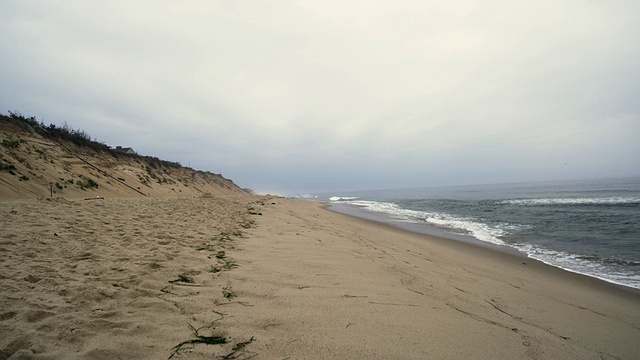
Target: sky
<point>288,97</point>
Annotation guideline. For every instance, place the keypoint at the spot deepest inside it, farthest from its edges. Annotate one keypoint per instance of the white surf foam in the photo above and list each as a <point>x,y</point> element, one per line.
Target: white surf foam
<point>575,263</point>
<point>466,226</point>
<point>342,198</point>
<point>574,201</point>
<point>306,196</point>
<point>493,234</point>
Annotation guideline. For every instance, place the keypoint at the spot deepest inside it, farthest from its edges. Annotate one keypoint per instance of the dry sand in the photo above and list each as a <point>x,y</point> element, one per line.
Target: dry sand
<point>91,280</point>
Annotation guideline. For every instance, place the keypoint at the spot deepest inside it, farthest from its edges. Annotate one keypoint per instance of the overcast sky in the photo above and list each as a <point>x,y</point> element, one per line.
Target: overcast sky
<point>304,96</point>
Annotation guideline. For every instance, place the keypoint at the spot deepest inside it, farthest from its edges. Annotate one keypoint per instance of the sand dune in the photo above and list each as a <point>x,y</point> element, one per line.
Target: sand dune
<point>31,162</point>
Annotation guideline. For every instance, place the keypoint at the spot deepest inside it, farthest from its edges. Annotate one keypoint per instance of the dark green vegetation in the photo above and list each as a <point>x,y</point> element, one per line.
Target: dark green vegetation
<point>11,144</point>
<point>156,170</point>
<point>6,164</point>
<point>182,279</point>
<point>86,182</point>
<point>51,131</point>
<point>75,136</point>
<point>217,246</point>
<point>224,241</point>
<point>199,339</point>
<point>213,340</point>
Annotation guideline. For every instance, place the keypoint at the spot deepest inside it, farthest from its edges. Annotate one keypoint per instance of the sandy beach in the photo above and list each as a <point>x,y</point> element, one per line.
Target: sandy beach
<point>277,278</point>
<point>464,180</point>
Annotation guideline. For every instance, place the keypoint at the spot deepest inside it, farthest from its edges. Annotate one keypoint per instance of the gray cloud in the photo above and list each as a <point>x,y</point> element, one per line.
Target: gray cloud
<point>297,95</point>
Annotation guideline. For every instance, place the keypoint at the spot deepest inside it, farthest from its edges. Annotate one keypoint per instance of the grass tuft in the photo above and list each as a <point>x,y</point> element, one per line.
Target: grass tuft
<point>86,182</point>
<point>6,164</point>
<point>11,144</point>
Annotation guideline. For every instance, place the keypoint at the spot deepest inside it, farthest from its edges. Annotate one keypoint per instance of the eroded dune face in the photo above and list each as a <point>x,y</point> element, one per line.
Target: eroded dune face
<point>35,166</point>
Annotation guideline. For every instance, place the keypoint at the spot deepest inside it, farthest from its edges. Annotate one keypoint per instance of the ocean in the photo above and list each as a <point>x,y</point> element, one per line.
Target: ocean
<point>591,227</point>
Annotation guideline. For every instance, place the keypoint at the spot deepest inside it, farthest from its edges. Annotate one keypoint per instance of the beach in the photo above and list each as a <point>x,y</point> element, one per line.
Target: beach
<point>278,278</point>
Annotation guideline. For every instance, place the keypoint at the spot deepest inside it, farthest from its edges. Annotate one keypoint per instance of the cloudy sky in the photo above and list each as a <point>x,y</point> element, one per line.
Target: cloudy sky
<point>303,96</point>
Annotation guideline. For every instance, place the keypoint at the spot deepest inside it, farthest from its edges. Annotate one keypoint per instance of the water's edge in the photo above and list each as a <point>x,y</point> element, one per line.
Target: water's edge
<point>425,229</point>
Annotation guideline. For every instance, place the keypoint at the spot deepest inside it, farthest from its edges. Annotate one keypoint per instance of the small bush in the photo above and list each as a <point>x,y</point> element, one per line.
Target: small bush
<point>58,185</point>
<point>6,165</point>
<point>11,144</point>
<point>86,182</point>
<point>64,132</point>
<point>90,182</point>
<point>15,115</point>
<point>23,178</point>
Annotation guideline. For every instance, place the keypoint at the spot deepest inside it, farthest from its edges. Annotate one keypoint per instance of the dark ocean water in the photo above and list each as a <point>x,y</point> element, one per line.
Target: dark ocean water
<point>588,227</point>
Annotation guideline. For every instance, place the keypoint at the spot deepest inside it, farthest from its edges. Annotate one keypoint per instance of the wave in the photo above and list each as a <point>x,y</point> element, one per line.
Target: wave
<point>459,224</point>
<point>609,270</point>
<point>573,201</point>
<point>343,198</point>
<point>305,196</point>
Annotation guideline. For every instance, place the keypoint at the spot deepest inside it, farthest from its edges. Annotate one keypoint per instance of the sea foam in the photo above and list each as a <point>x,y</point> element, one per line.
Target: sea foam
<point>588,227</point>
<point>574,201</point>
<point>462,225</point>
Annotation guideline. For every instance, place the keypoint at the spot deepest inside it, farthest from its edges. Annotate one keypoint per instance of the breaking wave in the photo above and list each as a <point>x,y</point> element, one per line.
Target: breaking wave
<point>461,225</point>
<point>573,201</point>
<point>612,270</point>
<point>343,198</point>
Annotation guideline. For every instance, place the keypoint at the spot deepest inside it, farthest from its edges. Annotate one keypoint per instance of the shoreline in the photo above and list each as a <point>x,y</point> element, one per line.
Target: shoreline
<point>425,296</point>
<point>431,231</point>
<point>282,278</point>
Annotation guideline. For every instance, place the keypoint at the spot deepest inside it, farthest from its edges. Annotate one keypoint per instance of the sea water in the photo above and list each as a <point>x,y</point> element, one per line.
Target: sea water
<point>588,227</point>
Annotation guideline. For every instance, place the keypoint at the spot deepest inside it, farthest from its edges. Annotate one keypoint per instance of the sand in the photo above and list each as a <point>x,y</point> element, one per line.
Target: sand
<point>35,166</point>
<point>282,279</point>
